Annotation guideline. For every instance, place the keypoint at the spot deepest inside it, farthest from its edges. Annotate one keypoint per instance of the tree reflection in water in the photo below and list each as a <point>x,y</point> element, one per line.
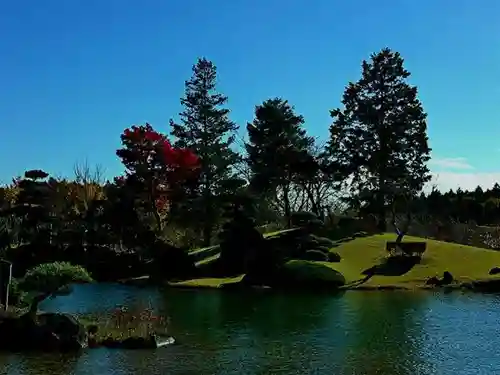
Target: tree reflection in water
<point>383,334</point>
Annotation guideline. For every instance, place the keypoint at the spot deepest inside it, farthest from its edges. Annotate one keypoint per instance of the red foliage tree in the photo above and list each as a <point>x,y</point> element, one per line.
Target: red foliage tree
<point>154,167</point>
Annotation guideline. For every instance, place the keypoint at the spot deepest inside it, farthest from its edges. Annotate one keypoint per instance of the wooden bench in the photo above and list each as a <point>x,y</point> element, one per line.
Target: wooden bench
<point>406,248</point>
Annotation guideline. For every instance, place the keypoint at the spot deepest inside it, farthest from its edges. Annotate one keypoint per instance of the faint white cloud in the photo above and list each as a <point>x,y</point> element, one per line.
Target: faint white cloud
<point>451,163</point>
<point>457,172</point>
<point>445,181</point>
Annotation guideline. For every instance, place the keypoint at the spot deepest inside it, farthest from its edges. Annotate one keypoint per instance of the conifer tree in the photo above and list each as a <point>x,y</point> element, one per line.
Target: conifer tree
<point>206,129</point>
<point>379,137</point>
<point>278,150</point>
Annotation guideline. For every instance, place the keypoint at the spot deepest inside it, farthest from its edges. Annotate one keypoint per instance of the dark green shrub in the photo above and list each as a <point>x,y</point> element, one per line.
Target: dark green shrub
<point>290,244</point>
<point>334,257</point>
<point>309,274</point>
<point>170,262</point>
<point>306,219</point>
<point>49,277</point>
<point>316,255</point>
<point>324,249</point>
<point>323,241</point>
<point>17,297</point>
<point>240,241</point>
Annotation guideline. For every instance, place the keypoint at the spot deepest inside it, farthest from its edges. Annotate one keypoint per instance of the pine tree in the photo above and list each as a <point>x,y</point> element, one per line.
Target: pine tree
<point>34,207</point>
<point>277,149</point>
<point>206,129</point>
<point>379,137</point>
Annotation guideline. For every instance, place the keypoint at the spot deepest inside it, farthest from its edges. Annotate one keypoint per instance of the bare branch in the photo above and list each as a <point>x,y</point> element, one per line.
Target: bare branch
<point>85,174</point>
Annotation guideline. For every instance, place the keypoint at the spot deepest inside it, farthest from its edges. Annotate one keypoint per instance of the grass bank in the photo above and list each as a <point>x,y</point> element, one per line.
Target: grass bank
<point>466,263</point>
<point>118,325</point>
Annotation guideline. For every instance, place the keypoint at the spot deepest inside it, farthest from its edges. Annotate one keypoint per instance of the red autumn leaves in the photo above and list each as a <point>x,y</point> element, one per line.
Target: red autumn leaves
<point>150,159</point>
<point>145,143</point>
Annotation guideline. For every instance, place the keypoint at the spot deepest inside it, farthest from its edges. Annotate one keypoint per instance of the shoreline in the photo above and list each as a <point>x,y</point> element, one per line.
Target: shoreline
<point>485,286</point>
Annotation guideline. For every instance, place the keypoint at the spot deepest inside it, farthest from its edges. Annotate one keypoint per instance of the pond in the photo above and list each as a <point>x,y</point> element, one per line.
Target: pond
<point>393,333</point>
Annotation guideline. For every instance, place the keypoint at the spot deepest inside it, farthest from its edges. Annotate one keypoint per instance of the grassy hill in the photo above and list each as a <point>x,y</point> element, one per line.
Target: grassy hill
<point>465,263</point>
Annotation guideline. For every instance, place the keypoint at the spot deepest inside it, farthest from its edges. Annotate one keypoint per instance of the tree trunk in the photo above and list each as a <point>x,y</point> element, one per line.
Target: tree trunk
<point>159,226</point>
<point>381,212</point>
<point>208,219</point>
<point>314,203</point>
<point>286,203</point>
<point>207,232</point>
<point>34,304</point>
<point>152,203</point>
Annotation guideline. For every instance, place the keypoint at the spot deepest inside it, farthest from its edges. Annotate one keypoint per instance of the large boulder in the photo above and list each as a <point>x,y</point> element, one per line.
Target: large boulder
<point>71,333</point>
<point>47,331</point>
<point>447,279</point>
<point>494,271</point>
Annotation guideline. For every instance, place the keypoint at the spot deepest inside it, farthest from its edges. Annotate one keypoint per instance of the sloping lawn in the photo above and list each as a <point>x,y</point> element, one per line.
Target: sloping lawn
<point>465,263</point>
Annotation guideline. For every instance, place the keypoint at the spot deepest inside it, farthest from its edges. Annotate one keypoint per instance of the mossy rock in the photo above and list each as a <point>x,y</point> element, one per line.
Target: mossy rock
<point>301,274</point>
<point>494,271</point>
<point>316,254</point>
<point>334,257</point>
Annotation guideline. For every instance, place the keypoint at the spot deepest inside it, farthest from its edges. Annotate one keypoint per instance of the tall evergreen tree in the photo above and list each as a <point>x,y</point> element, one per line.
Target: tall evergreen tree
<point>379,137</point>
<point>206,129</point>
<point>278,149</point>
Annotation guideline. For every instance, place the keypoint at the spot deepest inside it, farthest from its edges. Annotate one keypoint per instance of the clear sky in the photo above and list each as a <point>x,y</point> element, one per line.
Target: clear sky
<point>75,73</point>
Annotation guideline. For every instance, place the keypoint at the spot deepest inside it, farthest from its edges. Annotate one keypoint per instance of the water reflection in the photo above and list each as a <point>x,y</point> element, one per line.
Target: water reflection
<point>41,364</point>
<point>102,298</point>
<point>461,333</point>
<point>385,333</point>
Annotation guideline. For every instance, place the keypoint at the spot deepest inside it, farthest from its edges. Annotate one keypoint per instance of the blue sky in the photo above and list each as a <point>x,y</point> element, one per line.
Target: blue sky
<point>75,73</point>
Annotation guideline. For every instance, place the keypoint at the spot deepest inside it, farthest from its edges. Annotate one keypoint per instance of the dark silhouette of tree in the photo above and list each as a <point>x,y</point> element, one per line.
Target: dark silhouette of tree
<point>33,206</point>
<point>379,137</point>
<point>278,151</point>
<point>205,128</point>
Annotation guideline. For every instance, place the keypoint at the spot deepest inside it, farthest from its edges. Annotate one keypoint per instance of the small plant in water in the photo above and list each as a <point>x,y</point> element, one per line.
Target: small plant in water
<point>125,323</point>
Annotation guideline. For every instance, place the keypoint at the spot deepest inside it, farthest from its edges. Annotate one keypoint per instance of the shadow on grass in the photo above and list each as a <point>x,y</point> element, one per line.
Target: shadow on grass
<point>393,266</point>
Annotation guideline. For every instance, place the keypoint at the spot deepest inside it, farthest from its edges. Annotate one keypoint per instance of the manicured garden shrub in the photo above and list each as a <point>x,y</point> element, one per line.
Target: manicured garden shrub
<point>322,241</point>
<point>324,249</point>
<point>17,296</point>
<point>305,274</point>
<point>306,219</point>
<point>316,255</point>
<point>240,241</point>
<point>334,257</point>
<point>52,276</point>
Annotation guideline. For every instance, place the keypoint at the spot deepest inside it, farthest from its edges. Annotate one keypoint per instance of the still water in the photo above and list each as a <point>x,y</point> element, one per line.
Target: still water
<point>387,333</point>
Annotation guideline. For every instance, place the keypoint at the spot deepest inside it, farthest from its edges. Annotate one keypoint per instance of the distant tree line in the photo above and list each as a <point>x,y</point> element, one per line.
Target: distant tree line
<point>481,207</point>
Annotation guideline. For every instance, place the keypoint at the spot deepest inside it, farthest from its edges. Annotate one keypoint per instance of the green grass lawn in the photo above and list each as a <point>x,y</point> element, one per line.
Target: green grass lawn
<point>209,282</point>
<point>465,263</point>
